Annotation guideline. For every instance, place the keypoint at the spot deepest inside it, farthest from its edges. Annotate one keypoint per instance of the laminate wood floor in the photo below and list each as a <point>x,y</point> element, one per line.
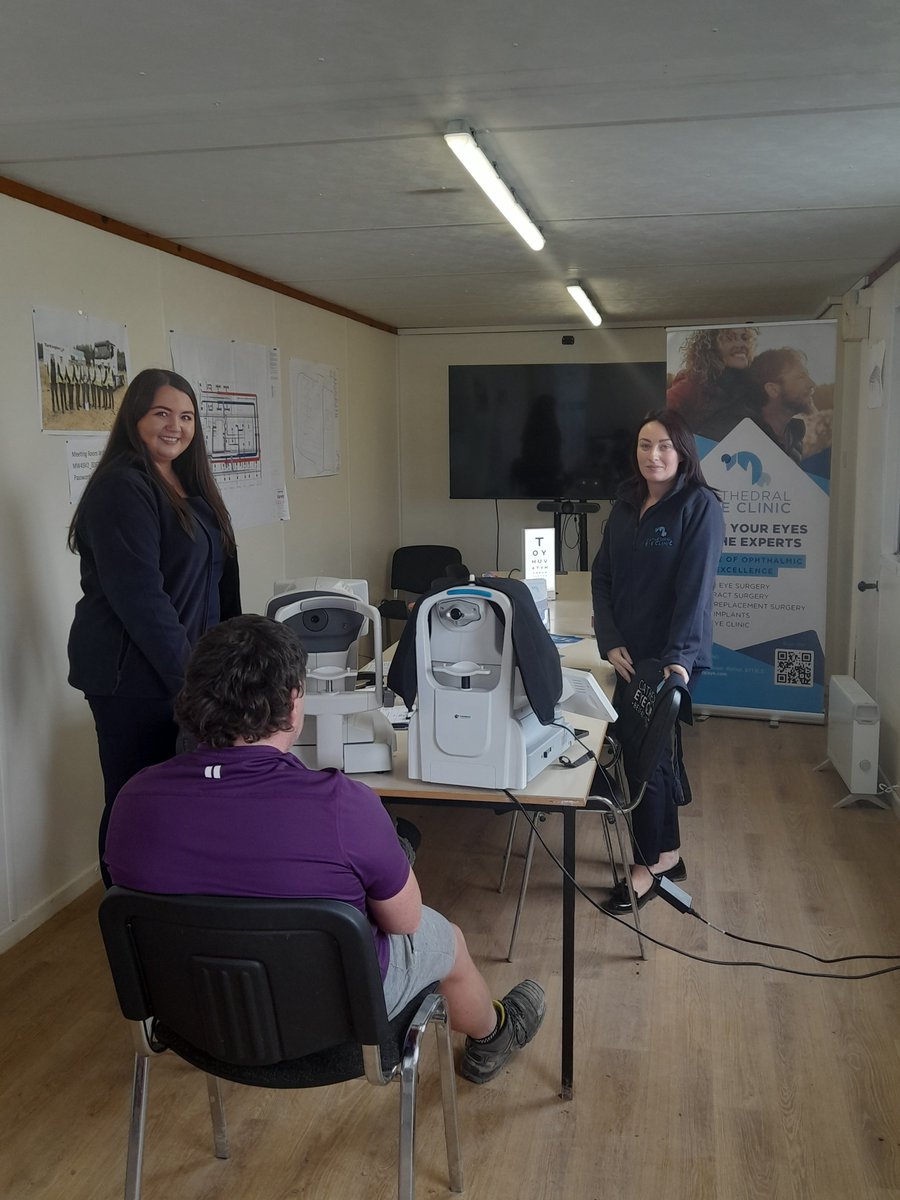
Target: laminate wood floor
<point>693,1081</point>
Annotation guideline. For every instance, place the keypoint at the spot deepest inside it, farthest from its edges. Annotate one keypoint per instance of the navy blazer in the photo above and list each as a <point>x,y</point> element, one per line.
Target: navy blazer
<point>150,589</point>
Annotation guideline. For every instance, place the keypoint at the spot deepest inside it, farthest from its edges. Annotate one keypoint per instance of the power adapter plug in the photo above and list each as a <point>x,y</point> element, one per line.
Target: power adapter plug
<point>675,895</point>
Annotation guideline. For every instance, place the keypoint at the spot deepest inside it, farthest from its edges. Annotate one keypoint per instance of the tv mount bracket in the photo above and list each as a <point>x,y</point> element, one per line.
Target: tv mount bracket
<point>567,508</point>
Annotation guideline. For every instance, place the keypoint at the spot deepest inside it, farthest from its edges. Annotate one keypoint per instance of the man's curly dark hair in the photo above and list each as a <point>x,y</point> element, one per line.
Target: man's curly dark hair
<point>239,681</point>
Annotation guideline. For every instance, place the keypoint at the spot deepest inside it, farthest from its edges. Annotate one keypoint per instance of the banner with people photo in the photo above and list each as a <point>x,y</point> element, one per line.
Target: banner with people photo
<point>759,399</point>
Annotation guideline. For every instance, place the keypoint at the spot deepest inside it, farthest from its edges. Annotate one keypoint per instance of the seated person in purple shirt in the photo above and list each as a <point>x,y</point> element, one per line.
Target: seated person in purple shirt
<point>241,816</point>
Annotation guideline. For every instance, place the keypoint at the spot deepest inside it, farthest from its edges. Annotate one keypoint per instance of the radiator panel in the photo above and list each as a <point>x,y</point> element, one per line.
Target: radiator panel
<point>853,726</point>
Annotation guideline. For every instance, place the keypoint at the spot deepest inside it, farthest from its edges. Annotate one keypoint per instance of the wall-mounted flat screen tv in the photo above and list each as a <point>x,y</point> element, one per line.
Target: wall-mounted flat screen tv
<point>554,431</point>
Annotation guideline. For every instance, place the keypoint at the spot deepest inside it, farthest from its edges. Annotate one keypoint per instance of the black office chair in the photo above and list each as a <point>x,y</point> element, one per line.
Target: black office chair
<point>271,993</point>
<point>413,570</point>
<point>613,795</point>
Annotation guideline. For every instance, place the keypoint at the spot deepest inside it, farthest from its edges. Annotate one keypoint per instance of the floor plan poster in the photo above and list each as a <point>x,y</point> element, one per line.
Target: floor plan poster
<point>231,426</point>
<point>238,388</point>
<point>314,419</point>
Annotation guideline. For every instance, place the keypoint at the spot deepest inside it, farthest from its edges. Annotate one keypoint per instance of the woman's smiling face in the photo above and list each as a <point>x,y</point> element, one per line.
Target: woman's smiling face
<point>736,347</point>
<point>167,427</point>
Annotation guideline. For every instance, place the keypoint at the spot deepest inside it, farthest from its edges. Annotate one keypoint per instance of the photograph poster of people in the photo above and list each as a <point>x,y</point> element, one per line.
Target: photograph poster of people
<point>759,399</point>
<point>82,370</point>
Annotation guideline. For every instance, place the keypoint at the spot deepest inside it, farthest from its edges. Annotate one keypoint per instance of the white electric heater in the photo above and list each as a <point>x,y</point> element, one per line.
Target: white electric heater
<point>853,727</point>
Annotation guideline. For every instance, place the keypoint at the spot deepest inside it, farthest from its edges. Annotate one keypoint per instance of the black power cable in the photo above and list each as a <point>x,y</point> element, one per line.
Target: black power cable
<point>717,962</point>
<point>588,752</point>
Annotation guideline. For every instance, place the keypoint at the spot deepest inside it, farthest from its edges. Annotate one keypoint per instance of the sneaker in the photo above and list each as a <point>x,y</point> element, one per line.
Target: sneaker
<point>524,1007</point>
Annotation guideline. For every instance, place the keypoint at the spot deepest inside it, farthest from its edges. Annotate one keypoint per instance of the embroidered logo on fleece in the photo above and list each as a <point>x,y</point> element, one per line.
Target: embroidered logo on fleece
<point>659,539</point>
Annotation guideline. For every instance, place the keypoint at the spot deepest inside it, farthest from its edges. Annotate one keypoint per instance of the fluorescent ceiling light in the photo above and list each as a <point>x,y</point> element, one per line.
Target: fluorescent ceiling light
<point>462,142</point>
<point>583,300</point>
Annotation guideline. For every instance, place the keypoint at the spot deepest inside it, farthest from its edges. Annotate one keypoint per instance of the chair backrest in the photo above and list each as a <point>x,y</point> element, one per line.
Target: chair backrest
<point>414,567</point>
<point>248,981</point>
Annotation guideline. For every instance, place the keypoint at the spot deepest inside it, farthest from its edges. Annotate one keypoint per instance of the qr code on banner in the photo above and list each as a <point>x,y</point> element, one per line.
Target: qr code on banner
<point>794,667</point>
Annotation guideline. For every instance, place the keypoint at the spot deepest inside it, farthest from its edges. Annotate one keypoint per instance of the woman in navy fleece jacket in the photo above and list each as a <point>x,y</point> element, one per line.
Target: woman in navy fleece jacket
<point>158,568</point>
<point>652,584</point>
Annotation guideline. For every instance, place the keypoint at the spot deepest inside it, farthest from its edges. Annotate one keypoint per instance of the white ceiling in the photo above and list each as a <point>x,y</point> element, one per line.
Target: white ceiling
<point>690,160</point>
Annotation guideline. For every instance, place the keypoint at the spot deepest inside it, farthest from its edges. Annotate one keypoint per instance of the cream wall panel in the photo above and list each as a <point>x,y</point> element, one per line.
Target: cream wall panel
<point>873,551</point>
<point>317,538</point>
<point>204,303</point>
<point>427,513</point>
<point>842,512</point>
<point>201,303</point>
<point>50,789</point>
<point>373,464</point>
<point>345,524</point>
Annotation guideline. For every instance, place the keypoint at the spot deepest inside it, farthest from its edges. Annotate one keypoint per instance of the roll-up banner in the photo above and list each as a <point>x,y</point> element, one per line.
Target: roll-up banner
<point>759,399</point>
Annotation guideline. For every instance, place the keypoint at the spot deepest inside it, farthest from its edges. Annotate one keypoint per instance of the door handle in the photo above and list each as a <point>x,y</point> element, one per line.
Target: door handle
<point>867,587</point>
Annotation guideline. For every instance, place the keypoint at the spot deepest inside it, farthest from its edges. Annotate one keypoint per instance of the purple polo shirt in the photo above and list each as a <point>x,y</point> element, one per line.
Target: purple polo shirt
<point>251,821</point>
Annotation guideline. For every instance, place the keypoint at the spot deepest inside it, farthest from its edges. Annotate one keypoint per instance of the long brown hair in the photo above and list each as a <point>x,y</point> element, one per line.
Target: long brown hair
<point>191,466</point>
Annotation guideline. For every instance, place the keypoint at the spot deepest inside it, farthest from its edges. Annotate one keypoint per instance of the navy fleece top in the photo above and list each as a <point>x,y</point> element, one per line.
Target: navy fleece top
<point>653,578</point>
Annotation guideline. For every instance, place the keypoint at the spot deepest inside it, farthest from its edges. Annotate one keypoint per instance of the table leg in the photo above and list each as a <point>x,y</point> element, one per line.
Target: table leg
<point>568,955</point>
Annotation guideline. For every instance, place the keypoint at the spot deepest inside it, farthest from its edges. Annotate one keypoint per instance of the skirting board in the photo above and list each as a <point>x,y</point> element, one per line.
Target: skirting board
<point>22,926</point>
<point>759,714</point>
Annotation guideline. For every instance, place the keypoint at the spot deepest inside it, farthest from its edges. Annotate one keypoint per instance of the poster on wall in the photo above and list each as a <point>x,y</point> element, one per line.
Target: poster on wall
<point>82,456</point>
<point>238,388</point>
<point>760,402</point>
<point>315,426</point>
<point>82,370</point>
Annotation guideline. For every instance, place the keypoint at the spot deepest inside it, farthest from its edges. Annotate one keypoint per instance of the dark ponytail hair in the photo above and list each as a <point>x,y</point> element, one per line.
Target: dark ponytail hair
<point>192,466</point>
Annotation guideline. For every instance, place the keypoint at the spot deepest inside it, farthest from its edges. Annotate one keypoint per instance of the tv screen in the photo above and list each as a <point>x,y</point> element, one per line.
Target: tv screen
<point>555,431</point>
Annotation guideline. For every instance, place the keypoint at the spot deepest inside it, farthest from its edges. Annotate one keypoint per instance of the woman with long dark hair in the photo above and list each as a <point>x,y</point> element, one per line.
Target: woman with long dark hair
<point>158,568</point>
<point>652,584</point>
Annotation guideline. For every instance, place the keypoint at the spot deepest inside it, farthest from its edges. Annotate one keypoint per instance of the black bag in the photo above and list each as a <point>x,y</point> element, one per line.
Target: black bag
<point>634,702</point>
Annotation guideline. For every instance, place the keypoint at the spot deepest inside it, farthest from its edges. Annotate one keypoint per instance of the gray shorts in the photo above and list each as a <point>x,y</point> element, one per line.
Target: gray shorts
<point>418,959</point>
